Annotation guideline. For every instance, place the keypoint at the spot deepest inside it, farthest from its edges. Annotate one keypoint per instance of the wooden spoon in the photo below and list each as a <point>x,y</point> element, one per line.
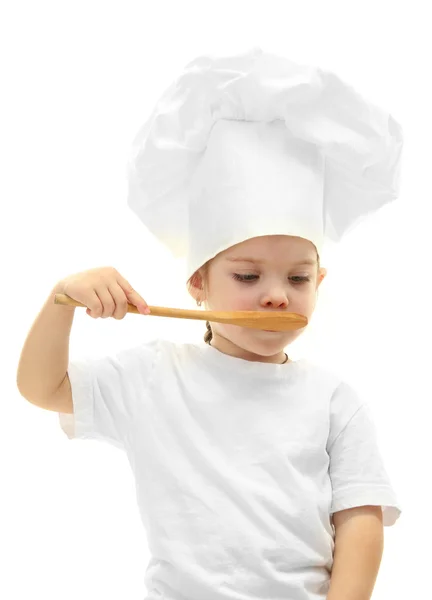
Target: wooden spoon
<point>255,319</point>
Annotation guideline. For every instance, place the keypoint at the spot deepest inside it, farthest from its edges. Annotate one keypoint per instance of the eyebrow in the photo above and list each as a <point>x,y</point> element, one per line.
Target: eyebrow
<point>308,261</point>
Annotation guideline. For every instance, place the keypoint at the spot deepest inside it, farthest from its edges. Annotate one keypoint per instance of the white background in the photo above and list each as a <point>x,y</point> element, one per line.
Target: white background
<point>79,79</point>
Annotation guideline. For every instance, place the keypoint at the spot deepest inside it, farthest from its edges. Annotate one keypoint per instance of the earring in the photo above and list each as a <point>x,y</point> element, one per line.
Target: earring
<point>198,302</point>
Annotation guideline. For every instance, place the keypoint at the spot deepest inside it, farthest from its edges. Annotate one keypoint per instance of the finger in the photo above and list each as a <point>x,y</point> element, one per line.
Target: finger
<point>106,300</point>
<point>132,295</point>
<point>120,300</point>
<point>94,305</point>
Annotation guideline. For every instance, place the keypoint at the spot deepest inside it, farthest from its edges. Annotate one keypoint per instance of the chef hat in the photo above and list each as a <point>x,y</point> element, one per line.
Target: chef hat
<point>255,144</point>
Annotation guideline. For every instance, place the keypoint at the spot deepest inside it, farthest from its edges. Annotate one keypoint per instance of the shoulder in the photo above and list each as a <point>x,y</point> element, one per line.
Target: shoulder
<point>324,377</point>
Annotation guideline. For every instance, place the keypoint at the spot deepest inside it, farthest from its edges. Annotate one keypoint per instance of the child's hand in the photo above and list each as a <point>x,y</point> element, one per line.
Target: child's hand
<point>104,291</point>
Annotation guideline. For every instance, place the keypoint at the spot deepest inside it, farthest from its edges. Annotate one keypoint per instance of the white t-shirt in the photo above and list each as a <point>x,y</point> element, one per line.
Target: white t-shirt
<point>238,465</point>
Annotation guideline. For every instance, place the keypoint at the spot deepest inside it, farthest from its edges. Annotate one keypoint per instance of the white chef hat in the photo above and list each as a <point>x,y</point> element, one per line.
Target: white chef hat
<point>255,144</point>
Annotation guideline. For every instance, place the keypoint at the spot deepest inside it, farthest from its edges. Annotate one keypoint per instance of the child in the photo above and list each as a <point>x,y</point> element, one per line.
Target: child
<point>243,457</point>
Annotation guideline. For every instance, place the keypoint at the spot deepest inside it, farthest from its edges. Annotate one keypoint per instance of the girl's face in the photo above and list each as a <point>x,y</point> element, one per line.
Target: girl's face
<point>273,272</point>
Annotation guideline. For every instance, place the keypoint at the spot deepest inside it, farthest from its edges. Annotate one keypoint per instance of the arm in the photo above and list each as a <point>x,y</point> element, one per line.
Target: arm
<point>359,544</point>
<point>44,358</point>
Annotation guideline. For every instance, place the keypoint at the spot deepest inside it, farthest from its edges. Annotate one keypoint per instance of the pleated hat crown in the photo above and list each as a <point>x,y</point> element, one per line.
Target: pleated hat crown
<point>255,144</point>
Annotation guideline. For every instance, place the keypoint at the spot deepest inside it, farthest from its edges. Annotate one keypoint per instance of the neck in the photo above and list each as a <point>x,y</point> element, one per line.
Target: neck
<point>227,347</point>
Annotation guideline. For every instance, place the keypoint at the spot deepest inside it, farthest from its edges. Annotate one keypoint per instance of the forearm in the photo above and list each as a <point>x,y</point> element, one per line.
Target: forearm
<point>45,355</point>
<point>359,545</point>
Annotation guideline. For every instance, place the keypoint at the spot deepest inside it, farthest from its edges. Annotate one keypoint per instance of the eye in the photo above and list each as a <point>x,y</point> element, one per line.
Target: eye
<point>298,279</point>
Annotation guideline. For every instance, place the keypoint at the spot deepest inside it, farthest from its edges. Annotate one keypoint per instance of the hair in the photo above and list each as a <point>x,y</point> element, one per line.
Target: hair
<point>208,336</point>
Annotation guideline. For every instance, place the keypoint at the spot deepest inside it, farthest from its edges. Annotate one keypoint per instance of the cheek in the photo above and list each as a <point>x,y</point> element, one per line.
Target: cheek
<point>232,332</point>
<point>233,295</point>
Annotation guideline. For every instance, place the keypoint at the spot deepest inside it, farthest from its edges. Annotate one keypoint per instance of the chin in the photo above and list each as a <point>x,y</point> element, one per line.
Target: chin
<point>276,340</point>
<point>272,341</point>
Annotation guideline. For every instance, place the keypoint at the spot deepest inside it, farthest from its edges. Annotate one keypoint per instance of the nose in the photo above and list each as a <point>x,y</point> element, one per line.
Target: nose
<point>277,302</point>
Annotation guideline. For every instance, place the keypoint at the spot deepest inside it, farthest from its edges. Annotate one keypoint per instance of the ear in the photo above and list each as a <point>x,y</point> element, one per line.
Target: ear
<point>322,273</point>
<point>196,285</point>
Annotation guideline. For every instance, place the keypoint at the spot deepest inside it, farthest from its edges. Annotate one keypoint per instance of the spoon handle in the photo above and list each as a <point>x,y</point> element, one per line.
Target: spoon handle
<point>255,319</point>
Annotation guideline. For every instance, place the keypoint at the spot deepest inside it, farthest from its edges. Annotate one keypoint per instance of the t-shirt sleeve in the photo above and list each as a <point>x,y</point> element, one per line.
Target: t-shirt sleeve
<point>357,470</point>
<point>107,392</point>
